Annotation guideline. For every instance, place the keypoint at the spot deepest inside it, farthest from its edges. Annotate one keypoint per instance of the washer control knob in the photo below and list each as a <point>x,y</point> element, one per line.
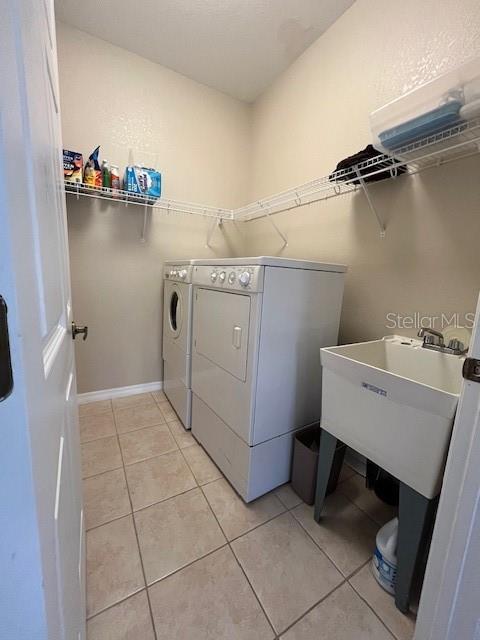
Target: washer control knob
<point>183,274</point>
<point>231,277</point>
<point>244,278</point>
<point>173,273</point>
<point>213,276</point>
<point>222,276</point>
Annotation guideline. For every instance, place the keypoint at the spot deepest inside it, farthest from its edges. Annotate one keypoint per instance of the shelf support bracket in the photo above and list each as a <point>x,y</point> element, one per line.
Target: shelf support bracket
<point>270,219</point>
<point>217,222</point>
<point>144,226</point>
<point>381,224</point>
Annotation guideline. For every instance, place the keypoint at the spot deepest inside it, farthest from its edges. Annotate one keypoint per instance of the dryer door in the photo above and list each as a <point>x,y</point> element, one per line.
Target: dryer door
<point>221,322</point>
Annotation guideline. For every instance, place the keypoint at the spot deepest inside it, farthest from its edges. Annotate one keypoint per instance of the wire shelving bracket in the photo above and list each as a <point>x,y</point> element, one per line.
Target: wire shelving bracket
<point>216,224</point>
<point>364,186</point>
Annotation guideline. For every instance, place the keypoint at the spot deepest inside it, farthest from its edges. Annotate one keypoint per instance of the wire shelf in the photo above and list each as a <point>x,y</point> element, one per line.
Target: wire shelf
<point>460,141</point>
<point>164,204</point>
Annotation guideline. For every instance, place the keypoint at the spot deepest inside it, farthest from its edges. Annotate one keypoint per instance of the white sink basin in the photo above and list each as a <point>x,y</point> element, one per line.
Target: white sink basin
<point>394,402</point>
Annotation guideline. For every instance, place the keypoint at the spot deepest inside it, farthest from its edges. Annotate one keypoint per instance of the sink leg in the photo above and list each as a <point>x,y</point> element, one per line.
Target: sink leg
<point>326,452</point>
<point>415,518</point>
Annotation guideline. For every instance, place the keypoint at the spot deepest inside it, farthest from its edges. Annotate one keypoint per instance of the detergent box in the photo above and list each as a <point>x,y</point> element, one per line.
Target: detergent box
<point>72,166</point>
<point>143,181</point>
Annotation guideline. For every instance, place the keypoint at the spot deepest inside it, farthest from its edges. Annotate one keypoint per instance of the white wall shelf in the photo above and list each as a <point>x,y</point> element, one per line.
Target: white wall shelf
<point>164,204</point>
<point>126,198</point>
<point>460,141</point>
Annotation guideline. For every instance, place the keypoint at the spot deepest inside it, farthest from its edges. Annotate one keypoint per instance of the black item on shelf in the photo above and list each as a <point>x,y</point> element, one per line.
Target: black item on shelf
<point>305,463</point>
<point>369,153</point>
<point>385,486</point>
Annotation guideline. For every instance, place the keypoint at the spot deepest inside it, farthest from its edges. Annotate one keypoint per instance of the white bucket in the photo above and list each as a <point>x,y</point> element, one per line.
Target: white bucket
<point>384,562</point>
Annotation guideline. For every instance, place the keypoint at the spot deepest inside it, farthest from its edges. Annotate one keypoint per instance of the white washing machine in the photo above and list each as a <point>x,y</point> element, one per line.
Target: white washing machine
<point>177,338</point>
<point>258,325</point>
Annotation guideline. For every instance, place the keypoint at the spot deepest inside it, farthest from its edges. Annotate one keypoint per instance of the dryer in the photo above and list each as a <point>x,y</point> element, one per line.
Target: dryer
<point>177,338</point>
<point>258,327</point>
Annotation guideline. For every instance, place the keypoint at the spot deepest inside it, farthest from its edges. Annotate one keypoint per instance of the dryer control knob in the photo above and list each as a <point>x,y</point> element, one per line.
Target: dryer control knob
<point>231,277</point>
<point>183,274</point>
<point>213,276</point>
<point>244,278</point>
<point>222,276</point>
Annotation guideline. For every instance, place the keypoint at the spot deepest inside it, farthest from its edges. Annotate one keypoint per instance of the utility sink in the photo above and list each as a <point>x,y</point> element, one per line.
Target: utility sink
<point>394,402</point>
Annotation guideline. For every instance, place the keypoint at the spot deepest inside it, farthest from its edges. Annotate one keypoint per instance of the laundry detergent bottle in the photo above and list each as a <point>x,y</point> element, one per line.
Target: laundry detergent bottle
<point>384,562</point>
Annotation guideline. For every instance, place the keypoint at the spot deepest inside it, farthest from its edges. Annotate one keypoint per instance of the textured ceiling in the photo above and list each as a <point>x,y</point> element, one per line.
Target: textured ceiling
<point>236,46</point>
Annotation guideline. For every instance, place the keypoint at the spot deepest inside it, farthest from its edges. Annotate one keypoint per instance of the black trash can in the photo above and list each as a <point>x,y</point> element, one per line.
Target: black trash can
<point>305,463</point>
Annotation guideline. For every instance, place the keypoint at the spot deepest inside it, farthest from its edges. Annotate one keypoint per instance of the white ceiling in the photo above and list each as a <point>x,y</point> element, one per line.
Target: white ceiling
<point>236,46</point>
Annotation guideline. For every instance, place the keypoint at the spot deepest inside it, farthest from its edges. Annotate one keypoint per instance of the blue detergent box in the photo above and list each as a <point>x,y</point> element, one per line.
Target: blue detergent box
<point>143,181</point>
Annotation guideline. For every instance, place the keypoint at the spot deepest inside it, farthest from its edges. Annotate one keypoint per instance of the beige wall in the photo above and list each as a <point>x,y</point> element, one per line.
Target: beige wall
<point>216,150</point>
<point>317,113</point>
<point>121,101</point>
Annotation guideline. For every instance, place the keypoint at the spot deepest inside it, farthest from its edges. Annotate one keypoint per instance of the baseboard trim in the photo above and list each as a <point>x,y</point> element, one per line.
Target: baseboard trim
<point>119,392</point>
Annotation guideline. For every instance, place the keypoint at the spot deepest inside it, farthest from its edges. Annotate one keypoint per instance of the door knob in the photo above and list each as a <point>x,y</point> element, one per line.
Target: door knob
<point>77,330</point>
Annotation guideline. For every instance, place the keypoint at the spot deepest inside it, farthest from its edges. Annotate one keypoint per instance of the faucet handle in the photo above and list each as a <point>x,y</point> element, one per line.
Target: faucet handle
<point>456,345</point>
<point>430,336</point>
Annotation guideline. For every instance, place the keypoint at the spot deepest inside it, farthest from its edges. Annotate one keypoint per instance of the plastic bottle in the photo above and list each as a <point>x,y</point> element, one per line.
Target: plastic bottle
<point>115,179</point>
<point>106,179</point>
<point>384,562</point>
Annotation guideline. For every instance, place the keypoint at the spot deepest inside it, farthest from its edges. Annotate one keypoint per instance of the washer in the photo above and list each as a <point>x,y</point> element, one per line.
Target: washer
<point>177,338</point>
<point>258,325</point>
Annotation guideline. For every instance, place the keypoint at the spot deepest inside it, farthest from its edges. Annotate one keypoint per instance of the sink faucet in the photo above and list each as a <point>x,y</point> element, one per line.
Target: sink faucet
<point>431,337</point>
<point>434,340</point>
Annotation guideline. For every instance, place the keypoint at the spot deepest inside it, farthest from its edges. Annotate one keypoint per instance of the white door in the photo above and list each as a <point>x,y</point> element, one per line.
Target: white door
<point>449,606</point>
<point>41,530</point>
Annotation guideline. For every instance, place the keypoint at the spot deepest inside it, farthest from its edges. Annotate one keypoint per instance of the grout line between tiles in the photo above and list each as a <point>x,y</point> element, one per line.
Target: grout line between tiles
<point>160,455</point>
<point>147,426</point>
<point>253,591</point>
<point>282,513</point>
<point>95,415</point>
<point>373,611</point>
<point>110,606</point>
<point>236,559</point>
<point>358,569</point>
<point>136,537</point>
<point>154,504</point>
<point>241,568</point>
<point>192,472</point>
<point>318,546</point>
<point>325,552</point>
<point>312,607</point>
<point>110,435</point>
<point>176,495</point>
<point>101,473</point>
<point>185,566</point>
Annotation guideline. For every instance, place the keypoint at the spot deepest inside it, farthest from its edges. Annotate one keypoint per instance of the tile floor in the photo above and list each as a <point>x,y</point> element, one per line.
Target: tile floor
<point>174,554</point>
